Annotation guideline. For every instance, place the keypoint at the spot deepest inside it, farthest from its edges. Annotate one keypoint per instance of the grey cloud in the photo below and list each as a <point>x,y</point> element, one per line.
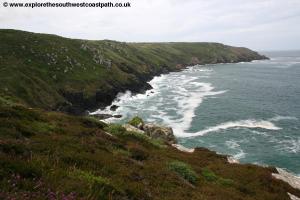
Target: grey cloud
<point>258,24</point>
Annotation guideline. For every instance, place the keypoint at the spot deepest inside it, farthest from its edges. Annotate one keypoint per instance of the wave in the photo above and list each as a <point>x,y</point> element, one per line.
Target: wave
<point>239,155</point>
<point>279,118</point>
<point>291,145</point>
<point>251,123</point>
<point>172,103</point>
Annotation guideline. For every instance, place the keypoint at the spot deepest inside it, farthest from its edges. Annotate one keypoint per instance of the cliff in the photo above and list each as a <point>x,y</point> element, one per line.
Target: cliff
<point>51,155</point>
<point>62,74</point>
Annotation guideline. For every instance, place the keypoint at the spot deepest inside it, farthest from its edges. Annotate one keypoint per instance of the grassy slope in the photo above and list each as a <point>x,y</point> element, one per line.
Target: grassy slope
<point>49,155</point>
<point>52,72</point>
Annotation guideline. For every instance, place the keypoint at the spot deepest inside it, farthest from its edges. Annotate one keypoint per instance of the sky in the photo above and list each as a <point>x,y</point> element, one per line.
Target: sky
<point>257,24</point>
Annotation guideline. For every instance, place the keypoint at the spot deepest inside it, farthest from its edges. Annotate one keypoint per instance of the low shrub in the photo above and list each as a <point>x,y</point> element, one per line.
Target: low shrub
<point>100,188</point>
<point>212,177</point>
<point>23,168</point>
<point>115,129</point>
<point>138,153</point>
<point>184,170</point>
<point>209,175</point>
<point>88,176</point>
<point>136,121</point>
<point>91,122</point>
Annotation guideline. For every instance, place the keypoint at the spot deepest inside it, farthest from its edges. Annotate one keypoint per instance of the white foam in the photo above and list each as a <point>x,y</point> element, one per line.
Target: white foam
<point>291,145</point>
<point>232,144</point>
<point>279,118</point>
<point>179,93</point>
<point>239,155</point>
<point>251,123</point>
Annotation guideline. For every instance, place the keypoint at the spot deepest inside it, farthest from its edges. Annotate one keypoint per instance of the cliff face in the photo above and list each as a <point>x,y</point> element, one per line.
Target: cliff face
<point>56,73</point>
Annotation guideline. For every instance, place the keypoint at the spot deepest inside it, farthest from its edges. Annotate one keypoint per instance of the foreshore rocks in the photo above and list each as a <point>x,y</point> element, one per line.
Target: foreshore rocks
<point>283,175</point>
<point>77,103</point>
<point>160,132</point>
<point>152,130</point>
<point>106,116</point>
<point>289,178</point>
<point>131,128</point>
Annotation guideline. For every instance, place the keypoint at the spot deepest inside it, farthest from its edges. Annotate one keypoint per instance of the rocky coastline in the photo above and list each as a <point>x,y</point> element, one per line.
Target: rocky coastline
<point>165,134</point>
<point>100,100</point>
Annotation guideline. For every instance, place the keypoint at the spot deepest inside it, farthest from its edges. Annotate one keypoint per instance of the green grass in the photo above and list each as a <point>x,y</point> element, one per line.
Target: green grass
<point>53,72</point>
<point>115,129</point>
<point>136,121</point>
<point>73,156</point>
<point>89,177</point>
<point>184,170</point>
<point>212,177</point>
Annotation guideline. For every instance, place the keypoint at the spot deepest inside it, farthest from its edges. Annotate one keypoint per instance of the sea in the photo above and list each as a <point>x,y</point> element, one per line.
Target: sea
<point>248,110</point>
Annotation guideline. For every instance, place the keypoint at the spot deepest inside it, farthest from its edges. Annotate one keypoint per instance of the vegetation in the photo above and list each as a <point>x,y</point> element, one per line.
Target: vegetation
<point>184,170</point>
<point>50,155</point>
<point>56,73</point>
<point>212,177</point>
<point>136,121</point>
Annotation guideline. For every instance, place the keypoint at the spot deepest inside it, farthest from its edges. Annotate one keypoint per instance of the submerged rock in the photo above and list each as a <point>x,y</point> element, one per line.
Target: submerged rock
<point>160,132</point>
<point>106,116</point>
<point>102,116</point>
<point>114,107</point>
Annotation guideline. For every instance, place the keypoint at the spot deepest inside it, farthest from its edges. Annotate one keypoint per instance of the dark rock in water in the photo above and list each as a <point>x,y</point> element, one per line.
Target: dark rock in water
<point>160,132</point>
<point>117,116</point>
<point>114,107</point>
<point>103,116</point>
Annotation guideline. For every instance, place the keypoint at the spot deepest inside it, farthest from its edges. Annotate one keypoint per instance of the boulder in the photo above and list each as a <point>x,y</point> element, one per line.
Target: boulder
<point>160,132</point>
<point>131,128</point>
<point>114,107</point>
<point>102,116</point>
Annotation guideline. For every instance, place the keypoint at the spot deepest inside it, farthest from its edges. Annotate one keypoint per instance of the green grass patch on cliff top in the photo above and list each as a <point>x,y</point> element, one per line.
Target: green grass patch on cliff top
<point>184,170</point>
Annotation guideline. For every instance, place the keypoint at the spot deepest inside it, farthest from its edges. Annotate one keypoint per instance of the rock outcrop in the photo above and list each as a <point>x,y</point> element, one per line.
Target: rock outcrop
<point>160,132</point>
<point>183,149</point>
<point>154,131</point>
<point>283,175</point>
<point>131,128</point>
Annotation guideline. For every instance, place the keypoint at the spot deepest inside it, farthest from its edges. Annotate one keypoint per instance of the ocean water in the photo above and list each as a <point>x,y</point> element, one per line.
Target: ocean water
<point>250,111</point>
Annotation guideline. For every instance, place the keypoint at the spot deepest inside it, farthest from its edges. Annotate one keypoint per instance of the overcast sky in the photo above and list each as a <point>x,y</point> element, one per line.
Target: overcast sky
<point>257,24</point>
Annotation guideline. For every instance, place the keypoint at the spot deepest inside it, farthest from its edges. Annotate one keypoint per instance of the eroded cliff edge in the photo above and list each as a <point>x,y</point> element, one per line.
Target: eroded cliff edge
<point>71,75</point>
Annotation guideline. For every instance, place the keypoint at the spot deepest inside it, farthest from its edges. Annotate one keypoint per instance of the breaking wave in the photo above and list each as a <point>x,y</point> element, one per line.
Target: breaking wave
<point>251,123</point>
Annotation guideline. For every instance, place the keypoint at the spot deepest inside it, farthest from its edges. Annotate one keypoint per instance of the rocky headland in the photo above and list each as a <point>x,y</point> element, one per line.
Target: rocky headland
<point>46,153</point>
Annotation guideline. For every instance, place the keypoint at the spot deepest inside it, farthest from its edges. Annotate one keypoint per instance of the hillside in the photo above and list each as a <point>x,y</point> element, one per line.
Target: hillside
<point>56,73</point>
<point>49,155</point>
<point>46,154</point>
